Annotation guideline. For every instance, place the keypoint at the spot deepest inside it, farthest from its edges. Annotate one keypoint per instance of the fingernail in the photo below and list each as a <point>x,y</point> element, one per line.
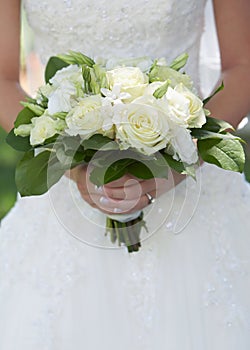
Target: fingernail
<point>99,189</point>
<point>117,210</point>
<point>103,200</point>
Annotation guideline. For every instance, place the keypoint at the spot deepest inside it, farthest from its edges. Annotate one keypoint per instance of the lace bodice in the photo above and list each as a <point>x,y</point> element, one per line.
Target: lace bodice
<point>118,28</point>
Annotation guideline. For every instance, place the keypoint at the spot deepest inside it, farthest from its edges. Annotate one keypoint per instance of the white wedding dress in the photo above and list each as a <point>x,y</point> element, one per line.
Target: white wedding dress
<point>64,286</point>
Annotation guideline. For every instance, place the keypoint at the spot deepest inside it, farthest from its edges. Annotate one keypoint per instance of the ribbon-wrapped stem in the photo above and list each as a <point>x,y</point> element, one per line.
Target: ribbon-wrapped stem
<point>126,233</point>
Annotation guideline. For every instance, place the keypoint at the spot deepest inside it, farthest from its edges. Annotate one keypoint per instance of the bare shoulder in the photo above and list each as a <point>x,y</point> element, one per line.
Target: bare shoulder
<point>9,38</point>
<point>232,20</point>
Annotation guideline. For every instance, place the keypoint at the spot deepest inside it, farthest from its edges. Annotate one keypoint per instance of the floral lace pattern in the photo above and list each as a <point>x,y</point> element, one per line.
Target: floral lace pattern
<point>123,29</point>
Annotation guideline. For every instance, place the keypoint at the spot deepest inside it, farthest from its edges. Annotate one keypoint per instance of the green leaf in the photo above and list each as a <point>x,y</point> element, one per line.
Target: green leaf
<point>30,100</point>
<point>154,64</point>
<point>88,155</point>
<point>221,87</point>
<point>150,167</point>
<point>163,73</point>
<point>79,58</point>
<point>35,175</point>
<point>79,158</point>
<point>98,79</point>
<point>179,62</point>
<point>54,64</point>
<point>141,170</point>
<point>70,144</point>
<point>190,171</point>
<point>24,117</point>
<point>60,115</point>
<point>87,79</point>
<point>160,92</point>
<point>19,143</point>
<point>227,154</point>
<point>103,175</point>
<point>66,148</point>
<point>216,125</point>
<point>100,142</point>
<point>201,134</point>
<point>117,170</point>
<point>34,107</point>
<point>174,164</point>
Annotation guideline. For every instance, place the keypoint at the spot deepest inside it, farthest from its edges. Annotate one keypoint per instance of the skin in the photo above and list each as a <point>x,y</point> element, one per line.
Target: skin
<point>232,104</point>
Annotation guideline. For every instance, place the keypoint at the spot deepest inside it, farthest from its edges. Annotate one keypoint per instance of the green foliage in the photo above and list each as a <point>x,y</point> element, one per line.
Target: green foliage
<point>100,142</point>
<point>36,174</point>
<point>54,64</point>
<point>103,175</point>
<point>216,146</point>
<point>78,58</point>
<point>174,164</point>
<point>110,166</point>
<point>160,92</point>
<point>227,154</point>
<point>216,125</point>
<point>179,62</point>
<point>19,143</point>
<point>24,117</point>
<point>247,162</point>
<point>34,107</point>
<point>163,73</point>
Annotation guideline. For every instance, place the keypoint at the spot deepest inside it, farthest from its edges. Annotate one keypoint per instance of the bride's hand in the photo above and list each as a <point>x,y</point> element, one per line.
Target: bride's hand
<point>125,195</point>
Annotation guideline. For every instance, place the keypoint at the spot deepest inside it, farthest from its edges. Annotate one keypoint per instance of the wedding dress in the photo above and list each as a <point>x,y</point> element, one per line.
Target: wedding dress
<point>63,285</point>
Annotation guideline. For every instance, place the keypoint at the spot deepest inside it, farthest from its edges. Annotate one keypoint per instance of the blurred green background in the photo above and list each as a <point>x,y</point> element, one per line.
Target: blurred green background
<point>8,159</point>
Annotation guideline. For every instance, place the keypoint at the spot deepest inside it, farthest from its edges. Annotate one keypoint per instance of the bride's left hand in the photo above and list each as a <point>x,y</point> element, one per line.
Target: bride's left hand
<point>123,196</point>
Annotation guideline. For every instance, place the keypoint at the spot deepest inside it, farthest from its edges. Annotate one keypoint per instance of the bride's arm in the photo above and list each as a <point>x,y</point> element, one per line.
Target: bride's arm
<point>232,20</point>
<point>10,90</point>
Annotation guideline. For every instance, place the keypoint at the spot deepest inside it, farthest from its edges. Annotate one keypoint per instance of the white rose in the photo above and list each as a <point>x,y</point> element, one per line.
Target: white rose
<point>178,106</point>
<point>196,113</point>
<point>44,127</point>
<point>88,118</point>
<point>71,73</point>
<point>64,89</point>
<point>131,79</point>
<point>142,127</point>
<point>23,130</point>
<point>44,90</point>
<point>144,63</point>
<point>152,87</point>
<point>183,145</point>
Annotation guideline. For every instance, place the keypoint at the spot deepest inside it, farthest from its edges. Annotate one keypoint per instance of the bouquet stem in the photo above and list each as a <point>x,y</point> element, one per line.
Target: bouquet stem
<point>127,233</point>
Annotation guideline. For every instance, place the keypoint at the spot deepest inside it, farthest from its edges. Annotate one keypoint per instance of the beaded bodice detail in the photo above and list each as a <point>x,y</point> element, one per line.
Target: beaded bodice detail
<point>118,28</point>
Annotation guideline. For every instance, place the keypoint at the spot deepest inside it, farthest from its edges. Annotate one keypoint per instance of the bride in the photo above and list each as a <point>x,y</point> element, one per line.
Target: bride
<point>62,285</point>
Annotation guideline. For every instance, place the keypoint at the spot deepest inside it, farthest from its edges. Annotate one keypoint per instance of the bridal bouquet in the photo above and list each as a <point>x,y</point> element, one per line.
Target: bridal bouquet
<point>132,116</point>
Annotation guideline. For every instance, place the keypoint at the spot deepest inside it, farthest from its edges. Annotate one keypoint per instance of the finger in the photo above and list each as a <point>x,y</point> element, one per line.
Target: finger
<point>132,189</point>
<point>122,181</point>
<point>111,206</point>
<point>123,206</point>
<point>106,205</point>
<point>136,189</point>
